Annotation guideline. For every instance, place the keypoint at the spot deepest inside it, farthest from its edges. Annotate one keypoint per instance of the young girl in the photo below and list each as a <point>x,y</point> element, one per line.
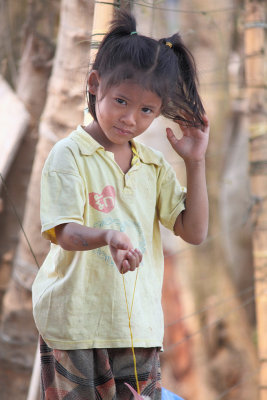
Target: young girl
<point>103,195</point>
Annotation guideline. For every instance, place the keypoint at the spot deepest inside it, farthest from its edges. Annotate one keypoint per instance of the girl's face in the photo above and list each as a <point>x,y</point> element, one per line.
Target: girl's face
<point>124,111</point>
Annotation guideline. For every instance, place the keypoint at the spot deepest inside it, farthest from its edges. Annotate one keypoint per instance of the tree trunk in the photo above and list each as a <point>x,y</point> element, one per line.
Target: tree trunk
<point>63,111</point>
<point>15,341</point>
<point>255,50</point>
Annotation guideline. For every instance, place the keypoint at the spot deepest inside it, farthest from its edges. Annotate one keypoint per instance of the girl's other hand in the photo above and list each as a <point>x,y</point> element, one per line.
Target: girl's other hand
<point>124,255</point>
<point>194,142</point>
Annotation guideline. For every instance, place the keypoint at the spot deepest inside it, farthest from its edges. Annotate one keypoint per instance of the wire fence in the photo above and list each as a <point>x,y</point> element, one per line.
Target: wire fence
<point>216,321</point>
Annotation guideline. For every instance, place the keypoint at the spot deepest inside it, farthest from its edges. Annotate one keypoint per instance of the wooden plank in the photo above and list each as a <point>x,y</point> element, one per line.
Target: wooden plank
<point>14,121</point>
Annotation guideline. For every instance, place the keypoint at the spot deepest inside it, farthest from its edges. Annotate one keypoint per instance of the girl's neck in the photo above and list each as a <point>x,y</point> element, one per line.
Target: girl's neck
<point>122,153</point>
<point>98,135</point>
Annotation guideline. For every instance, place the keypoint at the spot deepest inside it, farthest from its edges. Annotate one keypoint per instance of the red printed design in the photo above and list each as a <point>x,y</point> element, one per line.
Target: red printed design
<point>105,201</point>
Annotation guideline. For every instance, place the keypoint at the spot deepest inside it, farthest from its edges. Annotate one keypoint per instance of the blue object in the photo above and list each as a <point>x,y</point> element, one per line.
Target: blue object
<point>166,395</point>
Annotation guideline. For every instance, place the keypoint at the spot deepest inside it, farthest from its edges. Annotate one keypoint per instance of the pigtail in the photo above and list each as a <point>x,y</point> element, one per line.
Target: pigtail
<point>123,24</point>
<point>185,94</point>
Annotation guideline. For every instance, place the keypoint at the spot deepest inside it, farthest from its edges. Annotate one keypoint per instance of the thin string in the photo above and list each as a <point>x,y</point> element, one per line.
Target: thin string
<point>129,313</point>
<point>19,220</point>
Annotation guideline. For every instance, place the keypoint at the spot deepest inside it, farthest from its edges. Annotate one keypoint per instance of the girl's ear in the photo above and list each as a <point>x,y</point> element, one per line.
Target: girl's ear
<point>93,81</point>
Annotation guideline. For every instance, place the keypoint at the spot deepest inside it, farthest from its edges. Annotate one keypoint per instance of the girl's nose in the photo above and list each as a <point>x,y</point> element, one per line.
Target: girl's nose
<point>128,118</point>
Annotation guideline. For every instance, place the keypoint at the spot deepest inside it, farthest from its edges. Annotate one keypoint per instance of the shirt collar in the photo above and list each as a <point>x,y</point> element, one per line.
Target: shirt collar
<point>88,146</point>
<point>146,154</point>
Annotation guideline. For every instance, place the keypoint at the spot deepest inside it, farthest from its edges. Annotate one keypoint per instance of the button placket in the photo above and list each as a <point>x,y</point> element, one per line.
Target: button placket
<point>126,188</point>
<point>127,178</point>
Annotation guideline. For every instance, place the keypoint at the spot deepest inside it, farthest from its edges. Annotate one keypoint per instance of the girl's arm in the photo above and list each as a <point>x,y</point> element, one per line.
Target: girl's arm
<point>192,223</point>
<point>76,237</point>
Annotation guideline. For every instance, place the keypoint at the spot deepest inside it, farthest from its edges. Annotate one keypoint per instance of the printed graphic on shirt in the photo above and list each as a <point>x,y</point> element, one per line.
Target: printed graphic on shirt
<point>131,228</point>
<point>104,201</point>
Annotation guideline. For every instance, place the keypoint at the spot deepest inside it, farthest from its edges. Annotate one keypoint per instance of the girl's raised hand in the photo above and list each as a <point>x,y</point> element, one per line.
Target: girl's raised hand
<point>194,142</point>
<point>124,255</point>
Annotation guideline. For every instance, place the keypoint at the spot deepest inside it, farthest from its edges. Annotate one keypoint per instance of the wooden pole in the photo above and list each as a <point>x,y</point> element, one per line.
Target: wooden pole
<point>103,14</point>
<point>34,388</point>
<point>256,83</point>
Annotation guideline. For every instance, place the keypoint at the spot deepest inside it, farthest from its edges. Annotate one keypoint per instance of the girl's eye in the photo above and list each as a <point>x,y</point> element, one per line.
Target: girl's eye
<point>120,101</point>
<point>146,110</point>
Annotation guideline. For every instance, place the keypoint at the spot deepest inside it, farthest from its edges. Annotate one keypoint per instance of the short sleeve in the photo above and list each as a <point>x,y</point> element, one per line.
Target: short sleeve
<point>62,193</point>
<point>171,196</point>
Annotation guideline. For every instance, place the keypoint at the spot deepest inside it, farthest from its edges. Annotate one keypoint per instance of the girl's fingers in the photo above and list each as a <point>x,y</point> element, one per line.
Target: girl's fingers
<point>205,119</point>
<point>132,260</point>
<point>125,267</point>
<point>139,255</point>
<point>171,137</point>
<point>206,122</point>
<point>170,133</point>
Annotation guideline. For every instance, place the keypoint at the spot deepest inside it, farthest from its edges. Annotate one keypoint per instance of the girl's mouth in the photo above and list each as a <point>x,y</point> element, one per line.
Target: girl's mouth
<point>123,132</point>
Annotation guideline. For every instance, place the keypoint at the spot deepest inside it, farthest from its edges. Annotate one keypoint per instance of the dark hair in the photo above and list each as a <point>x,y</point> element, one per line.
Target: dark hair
<point>166,69</point>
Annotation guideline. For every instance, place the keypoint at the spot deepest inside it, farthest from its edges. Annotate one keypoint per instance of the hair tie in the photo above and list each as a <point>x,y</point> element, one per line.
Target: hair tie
<point>169,44</point>
<point>133,33</point>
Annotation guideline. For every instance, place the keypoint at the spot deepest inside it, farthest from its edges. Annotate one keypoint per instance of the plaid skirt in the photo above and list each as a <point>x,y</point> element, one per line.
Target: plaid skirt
<point>98,374</point>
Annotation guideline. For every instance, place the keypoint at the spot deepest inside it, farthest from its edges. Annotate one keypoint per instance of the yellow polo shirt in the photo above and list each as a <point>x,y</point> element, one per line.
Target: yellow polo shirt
<point>78,297</point>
